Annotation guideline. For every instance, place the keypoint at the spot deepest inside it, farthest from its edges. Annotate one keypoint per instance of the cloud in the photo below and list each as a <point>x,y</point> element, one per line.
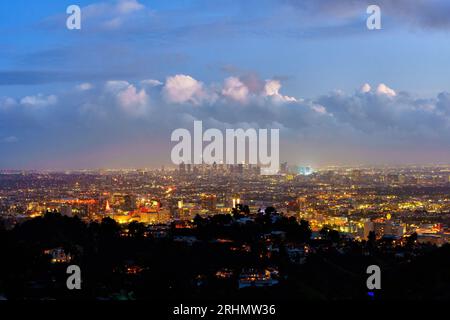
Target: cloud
<point>104,16</point>
<point>129,6</point>
<point>114,99</point>
<point>116,85</point>
<point>272,89</point>
<point>367,111</point>
<point>233,88</point>
<point>7,103</point>
<point>133,101</point>
<point>39,101</point>
<point>152,83</point>
<point>119,111</point>
<point>381,89</point>
<point>385,90</point>
<point>400,119</point>
<point>442,106</point>
<point>84,86</point>
<point>365,88</point>
<point>319,109</point>
<point>183,89</point>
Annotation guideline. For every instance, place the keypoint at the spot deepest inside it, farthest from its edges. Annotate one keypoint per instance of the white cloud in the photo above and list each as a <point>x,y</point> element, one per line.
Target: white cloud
<point>335,119</point>
<point>319,109</point>
<point>114,9</point>
<point>39,101</point>
<point>234,88</point>
<point>129,6</point>
<point>133,101</point>
<point>365,88</point>
<point>84,86</point>
<point>152,82</point>
<point>111,15</point>
<point>272,89</point>
<point>383,89</point>
<point>183,88</point>
<point>130,99</point>
<point>116,85</point>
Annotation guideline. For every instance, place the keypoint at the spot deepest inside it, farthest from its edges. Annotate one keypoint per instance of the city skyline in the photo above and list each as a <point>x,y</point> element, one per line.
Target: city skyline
<point>110,94</point>
<point>235,232</point>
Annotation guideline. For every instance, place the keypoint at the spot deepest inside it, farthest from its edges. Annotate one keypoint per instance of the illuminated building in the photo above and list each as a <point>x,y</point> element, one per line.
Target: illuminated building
<point>107,207</point>
<point>255,278</point>
<point>305,171</point>
<point>236,200</point>
<point>209,202</point>
<point>162,216</point>
<point>393,229</point>
<point>58,255</point>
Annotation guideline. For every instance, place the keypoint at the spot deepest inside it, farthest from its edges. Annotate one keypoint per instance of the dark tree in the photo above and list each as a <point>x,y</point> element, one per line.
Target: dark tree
<point>371,240</point>
<point>411,240</point>
<point>136,229</point>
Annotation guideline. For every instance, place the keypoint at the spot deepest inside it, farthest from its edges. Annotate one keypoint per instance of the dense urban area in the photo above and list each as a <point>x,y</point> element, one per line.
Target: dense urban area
<point>215,230</point>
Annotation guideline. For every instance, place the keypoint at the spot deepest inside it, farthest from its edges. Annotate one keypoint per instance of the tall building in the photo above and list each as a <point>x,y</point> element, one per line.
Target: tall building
<point>209,202</point>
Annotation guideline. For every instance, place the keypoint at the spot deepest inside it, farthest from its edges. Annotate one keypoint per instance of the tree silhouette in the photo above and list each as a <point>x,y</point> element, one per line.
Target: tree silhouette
<point>136,229</point>
<point>411,240</point>
<point>371,240</point>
